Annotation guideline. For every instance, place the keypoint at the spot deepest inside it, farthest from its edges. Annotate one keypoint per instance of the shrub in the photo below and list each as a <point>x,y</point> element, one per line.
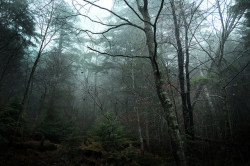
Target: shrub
<point>109,132</point>
<point>9,121</point>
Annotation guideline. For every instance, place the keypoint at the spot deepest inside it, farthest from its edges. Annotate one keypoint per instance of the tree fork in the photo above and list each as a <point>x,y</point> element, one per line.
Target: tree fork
<point>174,132</point>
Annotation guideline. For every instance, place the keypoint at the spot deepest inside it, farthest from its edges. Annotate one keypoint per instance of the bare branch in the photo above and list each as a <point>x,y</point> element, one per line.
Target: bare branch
<point>117,55</point>
<point>137,13</point>
<point>199,65</point>
<point>210,56</point>
<point>237,74</point>
<point>120,17</point>
<point>103,32</point>
<point>193,13</point>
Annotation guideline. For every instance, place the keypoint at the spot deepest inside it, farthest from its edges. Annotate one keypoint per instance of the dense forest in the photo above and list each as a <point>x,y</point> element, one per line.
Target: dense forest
<point>125,82</point>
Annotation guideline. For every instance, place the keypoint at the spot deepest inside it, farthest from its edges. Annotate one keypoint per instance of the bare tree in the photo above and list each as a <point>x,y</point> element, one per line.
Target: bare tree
<point>50,22</point>
<point>149,29</point>
<point>46,36</point>
<point>216,41</point>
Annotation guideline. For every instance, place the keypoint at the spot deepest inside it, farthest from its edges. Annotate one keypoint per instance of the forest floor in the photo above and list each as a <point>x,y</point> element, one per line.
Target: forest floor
<point>30,153</point>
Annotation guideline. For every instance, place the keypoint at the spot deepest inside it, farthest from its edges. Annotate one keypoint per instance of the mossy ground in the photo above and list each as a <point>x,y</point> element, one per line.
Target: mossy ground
<point>92,153</point>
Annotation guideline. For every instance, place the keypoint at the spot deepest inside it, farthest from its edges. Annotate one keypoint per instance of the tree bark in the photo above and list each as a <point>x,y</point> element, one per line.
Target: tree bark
<point>139,130</point>
<point>137,112</point>
<point>181,70</point>
<point>174,133</point>
<point>188,84</point>
<point>185,94</point>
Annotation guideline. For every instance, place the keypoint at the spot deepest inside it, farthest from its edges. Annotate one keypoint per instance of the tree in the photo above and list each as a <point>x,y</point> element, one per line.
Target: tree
<point>149,30</point>
<point>58,69</point>
<point>16,29</point>
<point>242,6</point>
<point>110,132</point>
<point>50,21</point>
<point>45,38</point>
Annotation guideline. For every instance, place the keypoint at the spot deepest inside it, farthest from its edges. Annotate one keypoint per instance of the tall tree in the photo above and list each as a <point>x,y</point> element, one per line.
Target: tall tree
<point>243,6</point>
<point>149,30</point>
<point>50,22</point>
<point>16,29</point>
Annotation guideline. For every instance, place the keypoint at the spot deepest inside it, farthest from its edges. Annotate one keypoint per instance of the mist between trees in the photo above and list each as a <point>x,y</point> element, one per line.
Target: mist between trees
<point>125,82</point>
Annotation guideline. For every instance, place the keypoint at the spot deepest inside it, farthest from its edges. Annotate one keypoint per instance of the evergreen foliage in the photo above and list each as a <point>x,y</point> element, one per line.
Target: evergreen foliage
<point>55,128</point>
<point>10,122</point>
<point>244,6</point>
<point>110,132</point>
<point>16,29</point>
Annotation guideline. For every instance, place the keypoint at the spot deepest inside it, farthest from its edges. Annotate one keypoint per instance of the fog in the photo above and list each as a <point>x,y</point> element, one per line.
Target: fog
<point>129,82</point>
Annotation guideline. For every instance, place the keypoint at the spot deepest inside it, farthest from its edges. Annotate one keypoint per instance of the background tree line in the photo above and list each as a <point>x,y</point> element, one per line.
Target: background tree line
<point>167,77</point>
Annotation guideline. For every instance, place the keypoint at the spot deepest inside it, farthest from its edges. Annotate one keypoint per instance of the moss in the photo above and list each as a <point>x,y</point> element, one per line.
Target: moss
<point>91,154</point>
<point>93,149</point>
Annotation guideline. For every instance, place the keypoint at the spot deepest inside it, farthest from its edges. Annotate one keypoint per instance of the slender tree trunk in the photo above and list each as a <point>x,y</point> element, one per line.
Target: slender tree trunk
<point>174,132</point>
<point>227,116</point>
<point>188,85</point>
<point>186,108</point>
<point>39,113</point>
<point>139,131</point>
<point>53,92</point>
<point>207,95</point>
<point>95,91</point>
<point>136,110</point>
<point>147,131</point>
<point>25,96</point>
<point>59,51</point>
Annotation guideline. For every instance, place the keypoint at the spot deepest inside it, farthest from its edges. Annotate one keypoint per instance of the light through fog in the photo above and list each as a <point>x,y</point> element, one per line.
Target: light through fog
<point>153,82</point>
<point>92,12</point>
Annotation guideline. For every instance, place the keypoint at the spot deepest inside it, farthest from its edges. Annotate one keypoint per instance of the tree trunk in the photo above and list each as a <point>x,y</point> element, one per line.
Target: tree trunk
<point>39,113</point>
<point>25,96</point>
<point>185,96</point>
<point>136,110</point>
<point>147,131</point>
<point>188,84</point>
<point>174,133</point>
<point>139,130</point>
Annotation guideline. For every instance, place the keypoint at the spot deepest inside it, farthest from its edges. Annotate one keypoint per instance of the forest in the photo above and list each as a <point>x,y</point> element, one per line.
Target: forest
<point>124,82</point>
